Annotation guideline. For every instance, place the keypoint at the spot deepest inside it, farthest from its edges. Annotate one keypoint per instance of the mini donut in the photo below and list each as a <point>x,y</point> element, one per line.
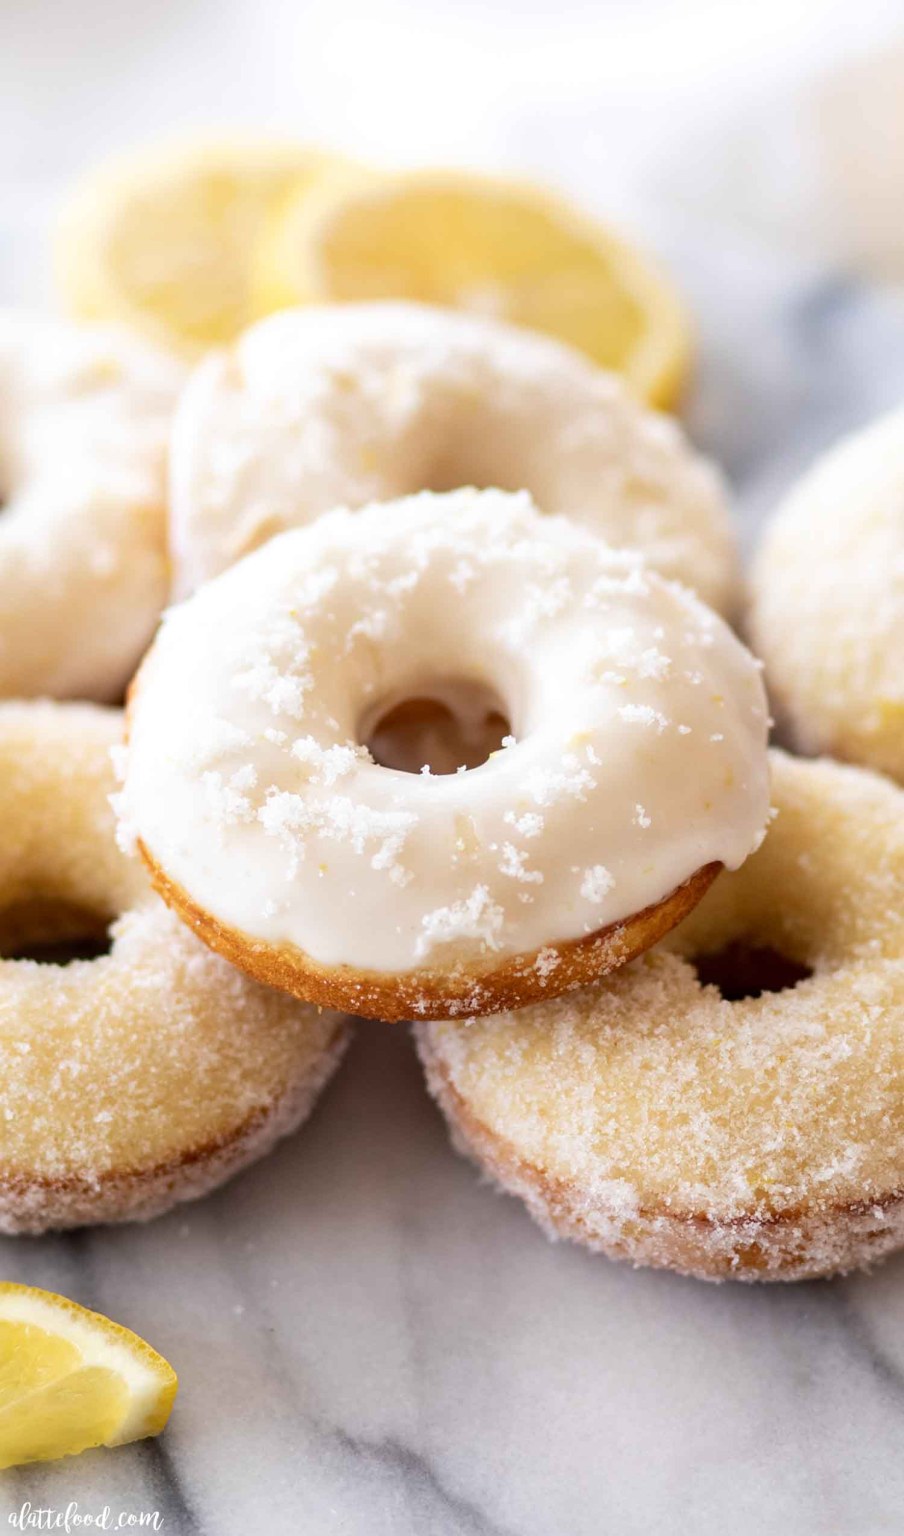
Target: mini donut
<point>635,764</point>
<point>654,1119</point>
<point>84,420</point>
<point>827,613</point>
<point>138,1078</point>
<point>343,405</point>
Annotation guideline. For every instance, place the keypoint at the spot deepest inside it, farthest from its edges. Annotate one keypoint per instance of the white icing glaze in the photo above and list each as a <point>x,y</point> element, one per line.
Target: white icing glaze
<point>343,405</point>
<point>245,780</point>
<point>84,421</point>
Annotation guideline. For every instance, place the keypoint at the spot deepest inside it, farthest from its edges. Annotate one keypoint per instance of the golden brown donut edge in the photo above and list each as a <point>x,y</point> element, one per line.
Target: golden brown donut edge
<point>433,993</point>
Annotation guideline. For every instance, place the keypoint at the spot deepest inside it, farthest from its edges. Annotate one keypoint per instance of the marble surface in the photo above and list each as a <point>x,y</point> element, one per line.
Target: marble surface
<point>370,1341</point>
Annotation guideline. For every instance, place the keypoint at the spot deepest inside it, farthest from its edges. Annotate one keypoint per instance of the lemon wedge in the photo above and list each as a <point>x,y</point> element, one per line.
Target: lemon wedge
<point>164,240</point>
<point>497,247</point>
<point>70,1379</point>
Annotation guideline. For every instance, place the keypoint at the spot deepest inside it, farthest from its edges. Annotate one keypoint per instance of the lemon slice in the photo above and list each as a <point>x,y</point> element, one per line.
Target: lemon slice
<point>164,240</point>
<point>70,1379</point>
<point>497,247</point>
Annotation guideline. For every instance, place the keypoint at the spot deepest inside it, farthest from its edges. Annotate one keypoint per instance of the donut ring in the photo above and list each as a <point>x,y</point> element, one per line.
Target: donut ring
<point>148,1076</point>
<point>84,420</point>
<point>266,822</point>
<point>348,404</point>
<point>653,1120</point>
<point>828,603</point>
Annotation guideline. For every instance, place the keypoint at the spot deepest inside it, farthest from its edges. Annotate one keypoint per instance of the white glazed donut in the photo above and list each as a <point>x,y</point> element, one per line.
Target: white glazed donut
<point>639,764</point>
<point>84,420</point>
<point>343,405</point>
<point>828,602</point>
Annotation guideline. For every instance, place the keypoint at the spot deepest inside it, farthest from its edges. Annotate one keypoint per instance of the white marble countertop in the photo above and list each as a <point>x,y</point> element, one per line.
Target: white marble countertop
<point>370,1341</point>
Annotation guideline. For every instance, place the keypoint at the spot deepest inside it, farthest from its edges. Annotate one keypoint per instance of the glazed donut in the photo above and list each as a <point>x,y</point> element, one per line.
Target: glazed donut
<point>144,1076</point>
<point>343,405</point>
<point>744,1136</point>
<point>84,421</point>
<point>639,766</point>
<point>828,603</point>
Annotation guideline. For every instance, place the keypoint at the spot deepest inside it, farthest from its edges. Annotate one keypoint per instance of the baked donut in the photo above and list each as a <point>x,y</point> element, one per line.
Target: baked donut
<point>631,757</point>
<point>84,420</point>
<point>828,603</point>
<point>342,405</point>
<point>146,1075</point>
<point>721,1133</point>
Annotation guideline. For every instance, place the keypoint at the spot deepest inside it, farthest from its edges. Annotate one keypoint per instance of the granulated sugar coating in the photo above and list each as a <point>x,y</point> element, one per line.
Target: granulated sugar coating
<point>266,821</point>
<point>828,603</point>
<point>150,1074</point>
<point>763,1138</point>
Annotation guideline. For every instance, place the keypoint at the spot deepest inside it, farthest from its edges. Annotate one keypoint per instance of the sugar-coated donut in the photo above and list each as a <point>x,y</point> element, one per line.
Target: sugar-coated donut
<point>147,1075</point>
<point>343,405</point>
<point>85,413</point>
<point>828,603</point>
<point>636,762</point>
<point>657,1121</point>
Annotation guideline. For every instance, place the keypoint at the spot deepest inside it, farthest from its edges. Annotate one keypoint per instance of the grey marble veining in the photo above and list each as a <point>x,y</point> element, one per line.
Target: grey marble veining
<point>373,1343</point>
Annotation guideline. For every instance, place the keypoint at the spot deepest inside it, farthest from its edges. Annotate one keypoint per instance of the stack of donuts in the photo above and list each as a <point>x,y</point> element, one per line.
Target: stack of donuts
<point>435,713</point>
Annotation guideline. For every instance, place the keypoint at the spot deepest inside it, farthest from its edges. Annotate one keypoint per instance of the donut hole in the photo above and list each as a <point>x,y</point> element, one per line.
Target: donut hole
<point>53,932</point>
<point>742,970</point>
<point>454,472</point>
<point>444,725</point>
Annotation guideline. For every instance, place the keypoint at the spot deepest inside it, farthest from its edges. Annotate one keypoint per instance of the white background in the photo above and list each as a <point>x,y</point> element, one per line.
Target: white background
<point>640,105</point>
